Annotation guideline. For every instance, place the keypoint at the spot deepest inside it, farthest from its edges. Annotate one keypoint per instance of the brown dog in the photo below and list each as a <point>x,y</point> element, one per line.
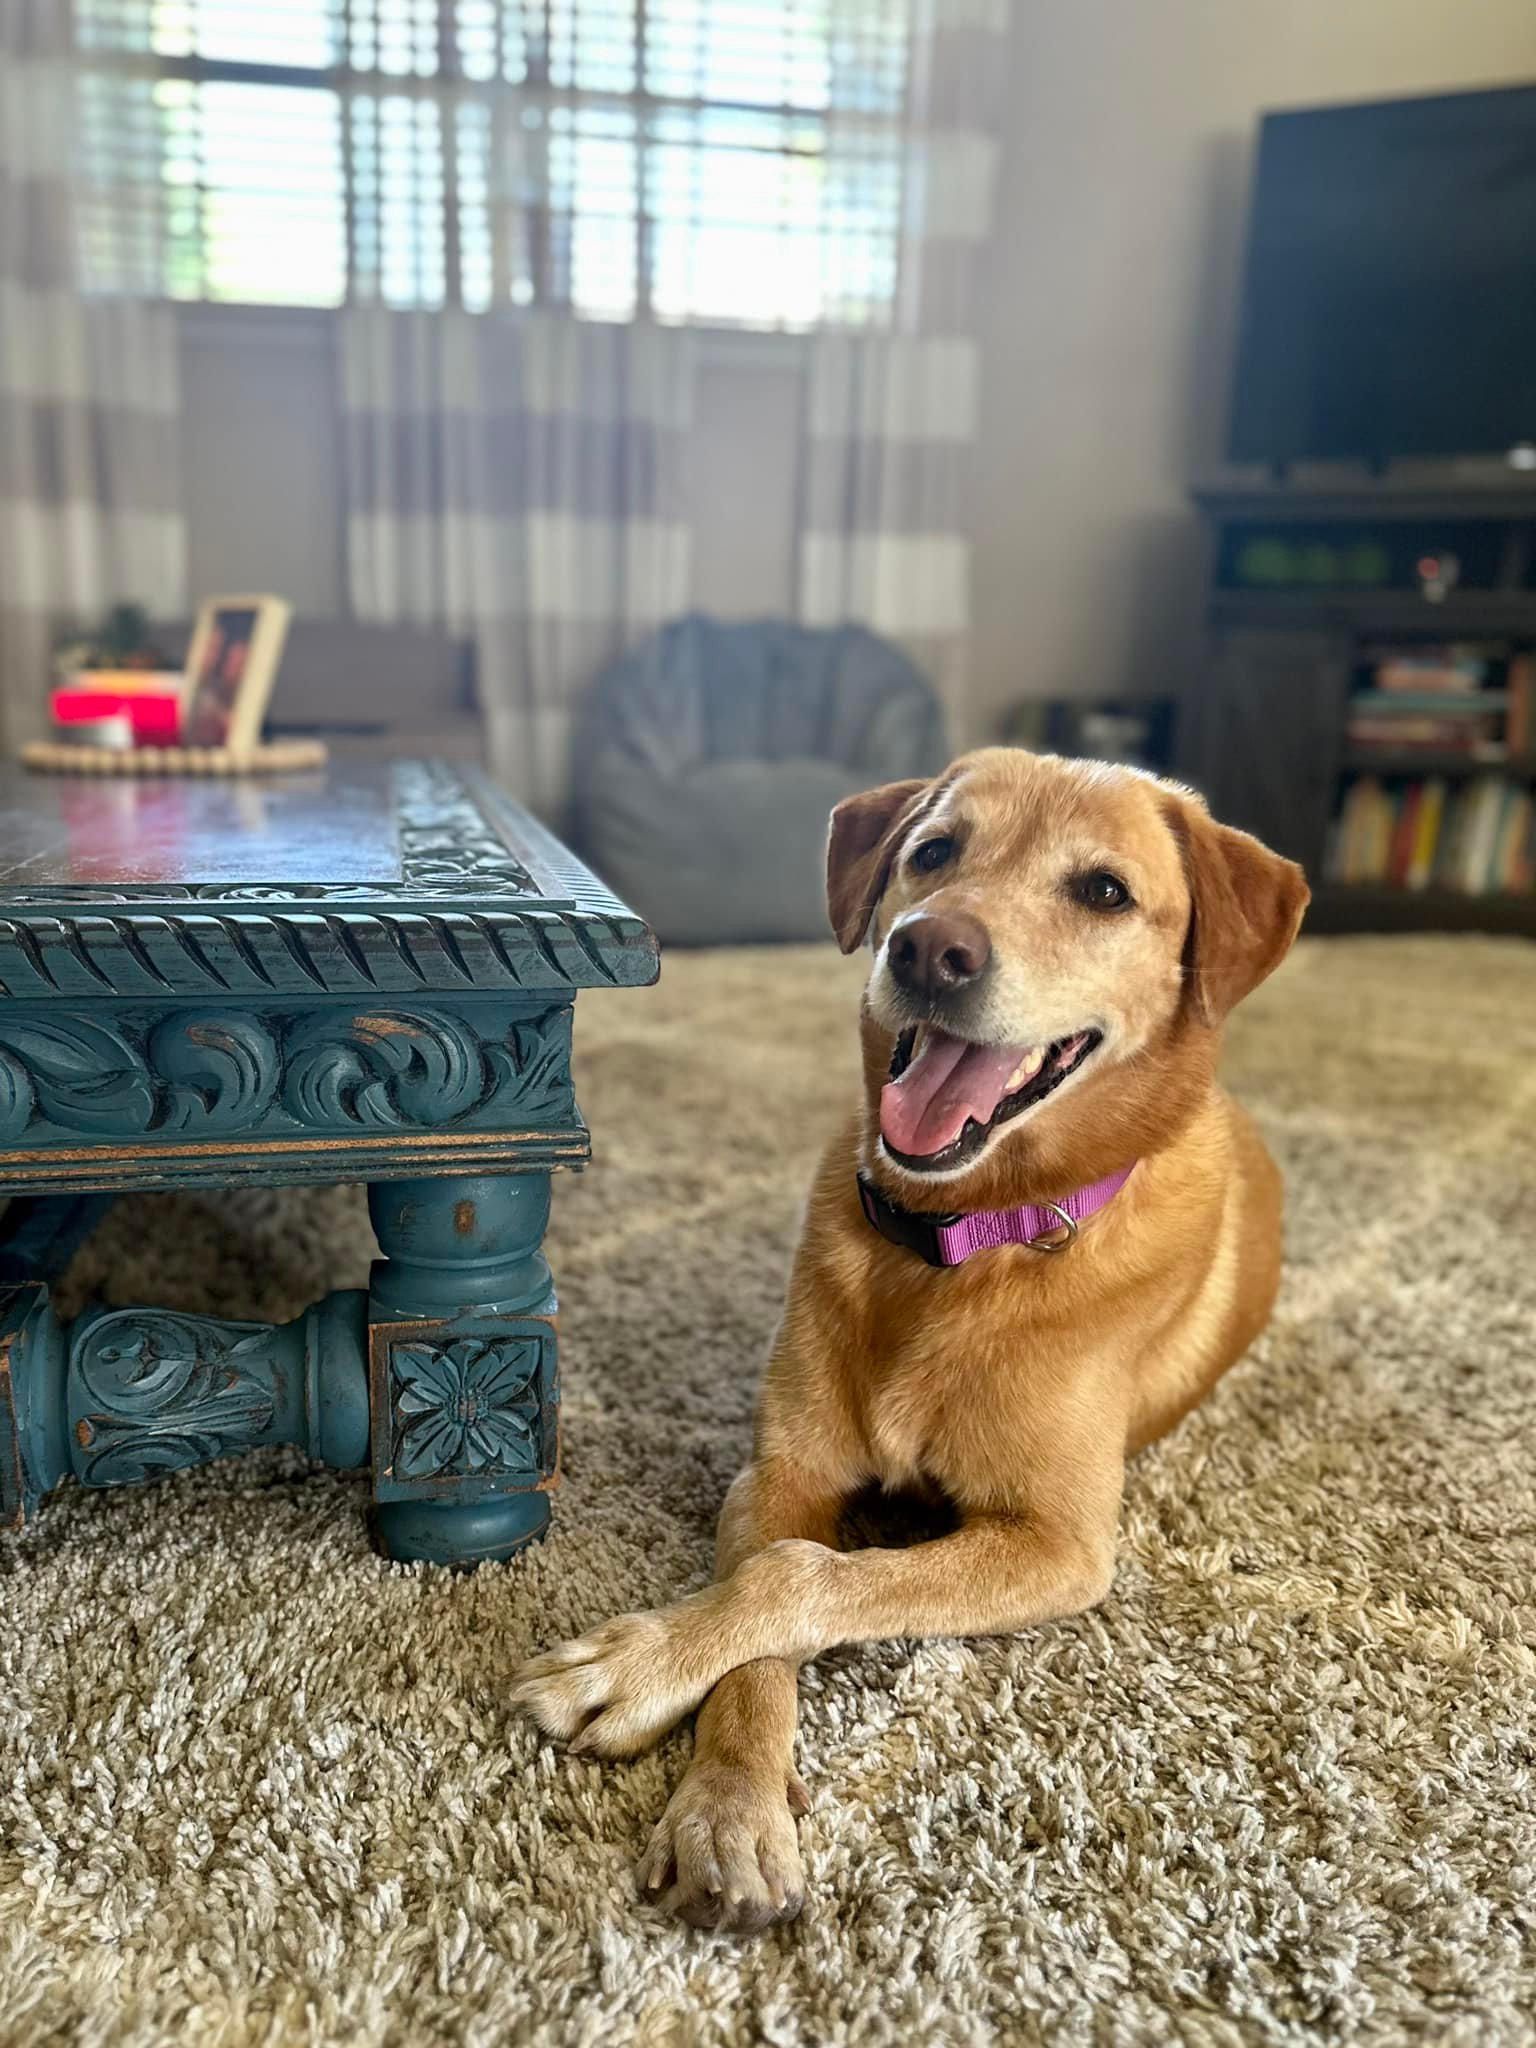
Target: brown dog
<point>1056,946</point>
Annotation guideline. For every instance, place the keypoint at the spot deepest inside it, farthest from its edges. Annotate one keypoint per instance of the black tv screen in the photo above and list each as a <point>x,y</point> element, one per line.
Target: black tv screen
<point>1389,306</point>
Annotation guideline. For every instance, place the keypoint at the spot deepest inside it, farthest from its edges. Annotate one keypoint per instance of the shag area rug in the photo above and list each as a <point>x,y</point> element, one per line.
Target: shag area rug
<point>258,1786</point>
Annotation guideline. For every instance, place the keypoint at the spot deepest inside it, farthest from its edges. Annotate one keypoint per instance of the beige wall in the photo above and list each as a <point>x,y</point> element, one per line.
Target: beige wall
<point>1108,336</point>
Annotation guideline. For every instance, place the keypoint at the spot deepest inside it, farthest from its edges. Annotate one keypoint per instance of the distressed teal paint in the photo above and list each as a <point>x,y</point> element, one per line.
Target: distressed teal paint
<point>440,1238</point>
<point>444,1378</point>
<point>414,1033</point>
<point>486,1531</point>
<point>487,899</point>
<point>333,1071</point>
<point>465,1405</point>
<point>128,1394</point>
<point>464,1368</point>
<point>34,1436</point>
<point>357,950</point>
<point>150,1391</point>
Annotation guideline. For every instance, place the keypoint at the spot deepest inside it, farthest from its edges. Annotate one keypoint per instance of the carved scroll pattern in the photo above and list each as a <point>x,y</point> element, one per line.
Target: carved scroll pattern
<point>224,1071</point>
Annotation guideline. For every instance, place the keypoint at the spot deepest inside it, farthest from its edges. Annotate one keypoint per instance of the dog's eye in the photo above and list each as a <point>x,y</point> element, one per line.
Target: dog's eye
<point>933,853</point>
<point>1100,890</point>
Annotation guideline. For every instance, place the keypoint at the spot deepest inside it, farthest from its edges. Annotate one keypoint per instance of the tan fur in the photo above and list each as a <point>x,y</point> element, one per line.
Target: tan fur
<point>1013,1387</point>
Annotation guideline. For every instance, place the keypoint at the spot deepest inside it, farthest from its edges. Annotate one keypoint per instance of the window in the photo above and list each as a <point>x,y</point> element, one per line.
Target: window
<point>713,160</point>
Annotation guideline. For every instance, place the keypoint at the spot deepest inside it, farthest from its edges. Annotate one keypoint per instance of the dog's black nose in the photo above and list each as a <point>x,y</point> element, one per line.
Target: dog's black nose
<point>935,953</point>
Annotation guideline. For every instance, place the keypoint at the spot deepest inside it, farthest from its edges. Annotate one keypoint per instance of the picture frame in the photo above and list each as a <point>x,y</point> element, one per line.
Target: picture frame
<point>237,644</point>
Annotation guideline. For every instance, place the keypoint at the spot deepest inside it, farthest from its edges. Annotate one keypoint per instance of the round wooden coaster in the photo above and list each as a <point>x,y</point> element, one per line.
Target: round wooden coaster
<point>276,757</point>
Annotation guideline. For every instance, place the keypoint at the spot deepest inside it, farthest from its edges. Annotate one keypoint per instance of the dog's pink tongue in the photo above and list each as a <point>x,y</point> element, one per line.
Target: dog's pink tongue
<point>926,1109</point>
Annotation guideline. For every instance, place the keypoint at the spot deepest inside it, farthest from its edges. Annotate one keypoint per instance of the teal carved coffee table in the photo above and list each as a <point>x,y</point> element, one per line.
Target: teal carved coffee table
<point>355,976</point>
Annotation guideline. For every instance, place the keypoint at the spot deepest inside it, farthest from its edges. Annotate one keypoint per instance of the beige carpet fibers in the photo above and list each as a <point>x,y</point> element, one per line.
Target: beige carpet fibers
<point>257,1786</point>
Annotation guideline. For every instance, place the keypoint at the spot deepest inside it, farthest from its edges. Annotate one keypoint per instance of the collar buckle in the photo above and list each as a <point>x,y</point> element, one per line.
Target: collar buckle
<point>908,1228</point>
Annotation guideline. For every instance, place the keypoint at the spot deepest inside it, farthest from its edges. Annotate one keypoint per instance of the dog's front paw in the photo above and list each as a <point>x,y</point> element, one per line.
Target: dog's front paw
<point>725,1850</point>
<point>614,1692</point>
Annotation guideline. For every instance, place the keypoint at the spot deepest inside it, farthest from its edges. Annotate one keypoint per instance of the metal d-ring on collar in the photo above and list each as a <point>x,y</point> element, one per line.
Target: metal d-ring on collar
<point>1053,1241</point>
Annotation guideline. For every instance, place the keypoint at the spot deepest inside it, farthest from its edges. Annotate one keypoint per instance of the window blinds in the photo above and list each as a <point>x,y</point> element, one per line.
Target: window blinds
<point>735,161</point>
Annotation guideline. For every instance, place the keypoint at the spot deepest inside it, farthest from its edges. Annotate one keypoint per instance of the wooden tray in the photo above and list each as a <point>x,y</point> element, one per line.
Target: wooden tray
<point>278,757</point>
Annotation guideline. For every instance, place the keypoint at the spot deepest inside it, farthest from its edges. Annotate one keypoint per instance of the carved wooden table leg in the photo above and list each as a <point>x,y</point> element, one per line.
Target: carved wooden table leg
<point>464,1381</point>
<point>125,1394</point>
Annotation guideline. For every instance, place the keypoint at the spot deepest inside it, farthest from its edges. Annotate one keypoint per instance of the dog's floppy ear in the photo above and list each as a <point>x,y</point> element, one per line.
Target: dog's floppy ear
<point>1245,906</point>
<point>865,829</point>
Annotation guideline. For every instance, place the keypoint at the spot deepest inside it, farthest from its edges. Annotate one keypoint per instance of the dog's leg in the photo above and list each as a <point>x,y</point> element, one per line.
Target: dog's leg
<point>1048,1554</point>
<point>725,1849</point>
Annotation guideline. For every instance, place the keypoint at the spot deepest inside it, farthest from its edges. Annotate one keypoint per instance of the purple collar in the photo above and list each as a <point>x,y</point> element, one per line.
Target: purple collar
<point>950,1240</point>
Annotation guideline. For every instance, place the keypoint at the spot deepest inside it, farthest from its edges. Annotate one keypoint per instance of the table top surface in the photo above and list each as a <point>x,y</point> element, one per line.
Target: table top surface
<point>72,832</point>
<point>413,871</point>
<point>348,827</point>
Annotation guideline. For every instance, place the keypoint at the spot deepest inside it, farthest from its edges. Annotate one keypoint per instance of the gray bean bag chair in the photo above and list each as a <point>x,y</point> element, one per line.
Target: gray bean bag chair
<point>711,756</point>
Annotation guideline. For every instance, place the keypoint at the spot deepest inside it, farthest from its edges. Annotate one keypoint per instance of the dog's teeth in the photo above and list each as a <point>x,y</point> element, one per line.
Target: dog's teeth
<point>1026,1070</point>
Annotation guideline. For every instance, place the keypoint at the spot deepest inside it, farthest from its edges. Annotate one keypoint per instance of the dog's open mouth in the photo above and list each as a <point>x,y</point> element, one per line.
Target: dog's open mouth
<point>946,1096</point>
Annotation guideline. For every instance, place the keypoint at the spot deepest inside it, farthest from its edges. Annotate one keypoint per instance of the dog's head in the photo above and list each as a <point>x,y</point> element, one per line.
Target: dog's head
<point>1056,945</point>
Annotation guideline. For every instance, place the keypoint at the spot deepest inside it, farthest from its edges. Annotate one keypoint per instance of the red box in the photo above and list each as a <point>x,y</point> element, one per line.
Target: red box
<point>155,715</point>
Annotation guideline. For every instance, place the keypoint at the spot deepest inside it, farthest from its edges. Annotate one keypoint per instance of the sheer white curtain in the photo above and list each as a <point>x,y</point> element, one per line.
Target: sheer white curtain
<point>89,402</point>
<point>519,478</point>
<point>890,418</point>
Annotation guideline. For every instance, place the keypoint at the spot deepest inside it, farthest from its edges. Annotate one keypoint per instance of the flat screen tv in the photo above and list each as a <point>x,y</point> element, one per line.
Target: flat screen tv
<point>1389,305</point>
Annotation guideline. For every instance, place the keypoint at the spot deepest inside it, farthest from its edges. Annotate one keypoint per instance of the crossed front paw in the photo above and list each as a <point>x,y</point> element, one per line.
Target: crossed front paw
<point>724,1853</point>
<point>618,1689</point>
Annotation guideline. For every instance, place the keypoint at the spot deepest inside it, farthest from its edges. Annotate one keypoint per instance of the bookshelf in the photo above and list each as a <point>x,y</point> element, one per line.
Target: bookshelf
<point>1288,729</point>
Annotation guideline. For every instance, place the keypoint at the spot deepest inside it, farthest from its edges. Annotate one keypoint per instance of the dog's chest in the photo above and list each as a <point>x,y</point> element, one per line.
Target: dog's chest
<point>931,1404</point>
<point>965,1381</point>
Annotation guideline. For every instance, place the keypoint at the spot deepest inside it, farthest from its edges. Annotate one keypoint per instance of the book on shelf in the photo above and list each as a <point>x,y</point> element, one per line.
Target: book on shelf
<point>1478,838</point>
<point>1475,737</point>
<point>1427,822</point>
<point>1446,704</point>
<point>1470,869</point>
<point>1415,671</point>
<point>1521,684</point>
<point>1512,860</point>
<point>1405,834</point>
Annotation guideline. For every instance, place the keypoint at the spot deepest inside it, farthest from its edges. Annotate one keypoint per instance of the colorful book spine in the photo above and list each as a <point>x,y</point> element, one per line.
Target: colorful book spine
<point>1426,837</point>
<point>1405,834</point>
<point>1518,728</point>
<point>1484,800</point>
